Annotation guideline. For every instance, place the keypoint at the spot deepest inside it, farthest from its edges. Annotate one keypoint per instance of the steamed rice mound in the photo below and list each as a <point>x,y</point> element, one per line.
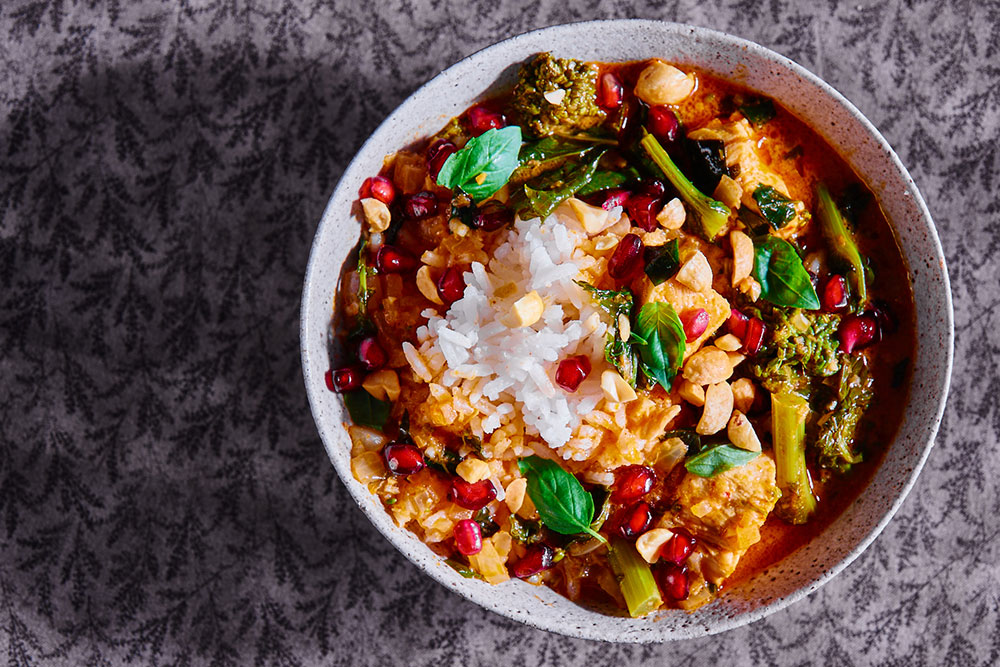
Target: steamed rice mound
<point>491,378</point>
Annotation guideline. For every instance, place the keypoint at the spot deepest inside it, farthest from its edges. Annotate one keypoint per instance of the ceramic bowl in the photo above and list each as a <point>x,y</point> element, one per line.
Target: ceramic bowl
<point>821,107</point>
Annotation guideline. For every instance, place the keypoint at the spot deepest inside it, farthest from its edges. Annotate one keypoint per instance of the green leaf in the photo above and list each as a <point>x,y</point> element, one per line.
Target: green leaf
<point>618,353</point>
<point>688,436</point>
<point>718,459</point>
<point>543,202</point>
<point>776,208</point>
<point>561,501</point>
<point>783,279</point>
<point>842,242</point>
<point>484,165</point>
<point>661,340</point>
<point>366,410</point>
<point>757,110</point>
<point>463,569</point>
<point>605,180</point>
<point>365,273</point>
<point>662,262</point>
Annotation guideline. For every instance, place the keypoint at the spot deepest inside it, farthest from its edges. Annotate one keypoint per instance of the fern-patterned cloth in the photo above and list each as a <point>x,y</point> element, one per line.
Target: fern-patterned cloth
<point>164,497</point>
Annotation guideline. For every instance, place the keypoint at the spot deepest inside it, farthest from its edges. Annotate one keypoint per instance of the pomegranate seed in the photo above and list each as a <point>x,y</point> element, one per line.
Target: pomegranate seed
<point>884,323</point>
<point>615,197</point>
<point>328,376</point>
<point>678,547</point>
<point>402,458</point>
<point>572,371</point>
<point>468,537</point>
<point>345,379</point>
<point>695,323</point>
<point>635,520</point>
<point>421,205</point>
<point>857,331</point>
<point>663,124</point>
<point>480,119</point>
<point>626,260</point>
<point>642,210</point>
<point>753,337</point>
<point>834,294</point>
<point>610,91</point>
<point>390,259</point>
<point>380,188</point>
<point>494,218</point>
<point>371,354</point>
<point>737,323</point>
<point>472,496</point>
<point>653,188</point>
<point>437,154</point>
<point>451,285</point>
<point>632,483</point>
<point>674,582</point>
<point>537,558</point>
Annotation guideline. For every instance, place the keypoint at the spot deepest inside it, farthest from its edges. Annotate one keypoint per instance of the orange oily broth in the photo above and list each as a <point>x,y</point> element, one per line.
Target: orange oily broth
<point>802,159</point>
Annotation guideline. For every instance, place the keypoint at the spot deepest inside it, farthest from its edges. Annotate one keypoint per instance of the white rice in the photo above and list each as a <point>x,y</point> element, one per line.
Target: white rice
<point>505,372</point>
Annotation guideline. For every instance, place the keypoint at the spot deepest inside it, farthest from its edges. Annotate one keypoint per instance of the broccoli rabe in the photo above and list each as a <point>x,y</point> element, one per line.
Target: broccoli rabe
<point>557,96</point>
<point>788,430</point>
<point>803,345</point>
<point>707,216</point>
<point>837,428</point>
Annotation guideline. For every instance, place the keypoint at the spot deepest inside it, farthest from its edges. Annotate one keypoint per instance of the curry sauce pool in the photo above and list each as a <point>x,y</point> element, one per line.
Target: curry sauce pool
<point>621,332</point>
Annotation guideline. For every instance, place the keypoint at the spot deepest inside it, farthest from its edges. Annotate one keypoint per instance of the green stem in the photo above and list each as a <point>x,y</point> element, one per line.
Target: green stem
<point>635,578</point>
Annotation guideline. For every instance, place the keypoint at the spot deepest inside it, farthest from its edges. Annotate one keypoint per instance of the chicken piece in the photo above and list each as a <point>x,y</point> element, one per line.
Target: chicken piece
<point>682,299</point>
<point>751,171</point>
<point>725,514</point>
<point>728,510</point>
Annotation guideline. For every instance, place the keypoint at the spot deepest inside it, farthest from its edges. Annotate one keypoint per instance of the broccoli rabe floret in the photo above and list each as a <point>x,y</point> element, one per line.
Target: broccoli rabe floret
<point>837,428</point>
<point>802,345</point>
<point>557,96</point>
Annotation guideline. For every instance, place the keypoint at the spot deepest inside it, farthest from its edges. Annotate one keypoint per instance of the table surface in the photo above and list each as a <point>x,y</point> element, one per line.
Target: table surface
<point>164,497</point>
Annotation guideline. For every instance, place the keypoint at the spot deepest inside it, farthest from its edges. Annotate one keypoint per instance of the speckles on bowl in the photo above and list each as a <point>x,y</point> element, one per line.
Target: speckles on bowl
<point>811,100</point>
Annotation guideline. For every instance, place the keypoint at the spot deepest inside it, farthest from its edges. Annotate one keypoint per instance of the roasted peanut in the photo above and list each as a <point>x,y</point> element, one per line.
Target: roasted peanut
<point>742,256</point>
<point>743,394</point>
<point>696,272</point>
<point>741,432</point>
<point>709,365</point>
<point>718,408</point>
<point>661,83</point>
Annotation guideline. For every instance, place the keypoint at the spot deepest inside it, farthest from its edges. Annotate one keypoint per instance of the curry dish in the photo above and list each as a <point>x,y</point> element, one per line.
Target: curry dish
<point>626,330</point>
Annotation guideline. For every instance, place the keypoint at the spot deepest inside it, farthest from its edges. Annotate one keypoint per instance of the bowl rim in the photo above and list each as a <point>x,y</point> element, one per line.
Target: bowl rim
<point>479,595</point>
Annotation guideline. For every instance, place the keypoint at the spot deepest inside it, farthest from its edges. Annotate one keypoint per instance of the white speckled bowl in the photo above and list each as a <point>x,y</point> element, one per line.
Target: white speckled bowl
<point>824,109</point>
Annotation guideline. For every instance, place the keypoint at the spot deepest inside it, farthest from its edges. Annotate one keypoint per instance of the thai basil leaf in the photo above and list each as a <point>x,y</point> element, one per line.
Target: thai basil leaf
<point>484,165</point>
<point>366,410</point>
<point>663,262</point>
<point>463,569</point>
<point>602,180</point>
<point>618,353</point>
<point>688,436</point>
<point>605,180</point>
<point>551,147</point>
<point>660,335</point>
<point>365,272</point>
<point>776,208</point>
<point>718,459</point>
<point>543,202</point>
<point>563,504</point>
<point>753,220</point>
<point>783,280</point>
<point>758,110</point>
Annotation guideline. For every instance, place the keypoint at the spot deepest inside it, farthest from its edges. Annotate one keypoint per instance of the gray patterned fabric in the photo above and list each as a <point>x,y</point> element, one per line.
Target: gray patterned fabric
<point>164,497</point>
